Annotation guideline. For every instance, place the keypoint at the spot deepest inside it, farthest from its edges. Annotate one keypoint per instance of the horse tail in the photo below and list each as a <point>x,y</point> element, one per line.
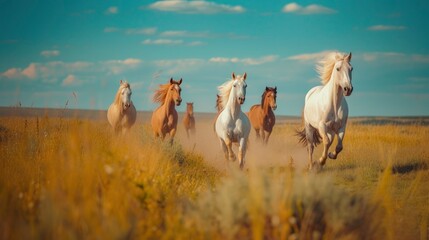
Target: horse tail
<point>313,136</point>
<point>302,136</point>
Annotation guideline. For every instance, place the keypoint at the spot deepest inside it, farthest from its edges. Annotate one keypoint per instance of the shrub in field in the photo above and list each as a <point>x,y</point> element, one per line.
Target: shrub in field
<point>281,206</point>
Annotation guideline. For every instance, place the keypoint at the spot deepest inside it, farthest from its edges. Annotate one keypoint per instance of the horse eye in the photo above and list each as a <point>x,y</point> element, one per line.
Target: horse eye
<point>338,69</point>
<point>234,85</point>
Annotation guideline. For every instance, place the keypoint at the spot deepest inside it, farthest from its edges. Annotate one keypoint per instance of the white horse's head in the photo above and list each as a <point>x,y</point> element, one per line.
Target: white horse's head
<point>239,87</point>
<point>125,94</point>
<point>342,73</point>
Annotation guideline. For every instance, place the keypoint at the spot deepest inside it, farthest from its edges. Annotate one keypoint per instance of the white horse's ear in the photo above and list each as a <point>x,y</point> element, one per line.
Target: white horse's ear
<point>180,81</point>
<point>120,81</point>
<point>244,76</point>
<point>233,75</point>
<point>171,80</point>
<point>349,57</point>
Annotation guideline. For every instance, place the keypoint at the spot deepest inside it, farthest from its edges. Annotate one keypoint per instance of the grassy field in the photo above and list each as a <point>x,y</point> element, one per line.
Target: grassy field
<point>66,178</point>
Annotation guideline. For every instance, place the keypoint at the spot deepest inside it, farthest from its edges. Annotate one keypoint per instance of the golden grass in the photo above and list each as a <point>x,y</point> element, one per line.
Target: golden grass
<point>72,179</point>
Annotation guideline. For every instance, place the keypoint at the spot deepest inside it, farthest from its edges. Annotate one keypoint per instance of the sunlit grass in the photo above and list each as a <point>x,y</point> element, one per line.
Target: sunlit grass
<point>73,179</point>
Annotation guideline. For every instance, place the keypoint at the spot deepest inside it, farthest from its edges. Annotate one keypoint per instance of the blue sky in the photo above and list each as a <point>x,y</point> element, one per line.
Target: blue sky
<point>57,51</point>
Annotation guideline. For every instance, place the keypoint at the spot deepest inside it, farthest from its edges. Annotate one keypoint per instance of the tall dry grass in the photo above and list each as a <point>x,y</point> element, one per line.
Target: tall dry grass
<point>72,179</point>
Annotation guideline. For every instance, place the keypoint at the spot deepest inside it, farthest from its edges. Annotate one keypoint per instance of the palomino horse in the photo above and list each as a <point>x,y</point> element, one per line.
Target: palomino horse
<point>122,113</point>
<point>232,125</point>
<point>262,117</point>
<point>189,120</point>
<point>325,110</point>
<point>164,118</point>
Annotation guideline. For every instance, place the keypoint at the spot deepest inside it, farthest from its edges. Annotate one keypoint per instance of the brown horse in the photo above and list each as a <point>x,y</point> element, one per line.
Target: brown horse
<point>164,118</point>
<point>262,116</point>
<point>122,113</point>
<point>189,120</point>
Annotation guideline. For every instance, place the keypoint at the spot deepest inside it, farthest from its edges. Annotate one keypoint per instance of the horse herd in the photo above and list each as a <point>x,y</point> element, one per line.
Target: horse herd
<point>324,116</point>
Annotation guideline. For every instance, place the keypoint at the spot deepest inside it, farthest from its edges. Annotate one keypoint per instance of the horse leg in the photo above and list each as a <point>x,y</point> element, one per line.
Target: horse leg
<point>172,134</point>
<point>339,147</point>
<point>187,132</point>
<point>257,134</point>
<point>224,148</point>
<point>327,141</point>
<point>242,152</point>
<point>263,136</point>
<point>309,132</point>
<point>231,154</point>
<point>267,136</point>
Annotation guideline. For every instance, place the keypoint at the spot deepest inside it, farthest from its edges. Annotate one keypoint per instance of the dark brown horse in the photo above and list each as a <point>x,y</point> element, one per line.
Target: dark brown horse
<point>189,120</point>
<point>262,117</point>
<point>164,118</point>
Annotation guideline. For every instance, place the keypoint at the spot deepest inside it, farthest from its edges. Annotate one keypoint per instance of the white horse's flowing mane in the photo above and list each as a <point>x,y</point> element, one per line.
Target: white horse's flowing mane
<point>326,65</point>
<point>225,90</point>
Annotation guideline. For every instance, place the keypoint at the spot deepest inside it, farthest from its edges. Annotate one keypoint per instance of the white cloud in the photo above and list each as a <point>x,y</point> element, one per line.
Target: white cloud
<point>144,31</point>
<point>112,10</point>
<point>245,61</point>
<point>312,57</point>
<point>386,28</point>
<point>205,34</point>
<point>194,7</point>
<point>307,10</point>
<point>70,80</point>
<point>162,42</point>
<point>29,72</point>
<point>50,53</point>
<point>372,56</point>
<point>118,66</point>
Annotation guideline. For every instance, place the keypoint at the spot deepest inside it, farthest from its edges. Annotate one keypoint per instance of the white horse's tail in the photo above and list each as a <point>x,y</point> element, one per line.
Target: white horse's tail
<point>313,136</point>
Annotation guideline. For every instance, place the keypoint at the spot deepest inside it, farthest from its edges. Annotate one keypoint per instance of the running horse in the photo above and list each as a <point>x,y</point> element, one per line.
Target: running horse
<point>232,125</point>
<point>189,120</point>
<point>122,113</point>
<point>262,117</point>
<point>164,118</point>
<point>325,110</point>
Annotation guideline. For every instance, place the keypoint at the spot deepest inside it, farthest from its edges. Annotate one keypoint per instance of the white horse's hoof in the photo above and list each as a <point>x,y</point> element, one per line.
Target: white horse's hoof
<point>332,155</point>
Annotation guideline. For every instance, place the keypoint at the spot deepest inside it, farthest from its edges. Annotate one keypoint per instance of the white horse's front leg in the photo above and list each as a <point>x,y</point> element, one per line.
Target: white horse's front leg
<point>339,147</point>
<point>242,152</point>
<point>224,148</point>
<point>327,141</point>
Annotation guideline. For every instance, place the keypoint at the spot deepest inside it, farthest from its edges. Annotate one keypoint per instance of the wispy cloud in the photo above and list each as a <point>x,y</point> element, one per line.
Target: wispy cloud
<point>162,42</point>
<point>307,10</point>
<point>111,10</point>
<point>71,80</point>
<point>51,72</point>
<point>386,28</point>
<point>143,31</point>
<point>50,53</point>
<point>245,61</point>
<point>194,7</point>
<point>204,34</point>
<point>311,57</point>
<point>29,72</point>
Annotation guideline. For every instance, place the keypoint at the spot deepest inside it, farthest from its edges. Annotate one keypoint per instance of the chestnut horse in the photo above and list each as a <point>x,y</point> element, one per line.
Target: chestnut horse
<point>122,113</point>
<point>189,120</point>
<point>262,117</point>
<point>164,118</point>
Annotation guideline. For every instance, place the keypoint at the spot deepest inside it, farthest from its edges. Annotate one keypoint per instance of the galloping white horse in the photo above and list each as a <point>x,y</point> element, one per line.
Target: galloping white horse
<point>325,110</point>
<point>232,125</point>
<point>122,113</point>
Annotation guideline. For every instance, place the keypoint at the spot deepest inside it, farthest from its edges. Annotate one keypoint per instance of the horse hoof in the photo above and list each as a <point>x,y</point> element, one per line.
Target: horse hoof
<point>332,155</point>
